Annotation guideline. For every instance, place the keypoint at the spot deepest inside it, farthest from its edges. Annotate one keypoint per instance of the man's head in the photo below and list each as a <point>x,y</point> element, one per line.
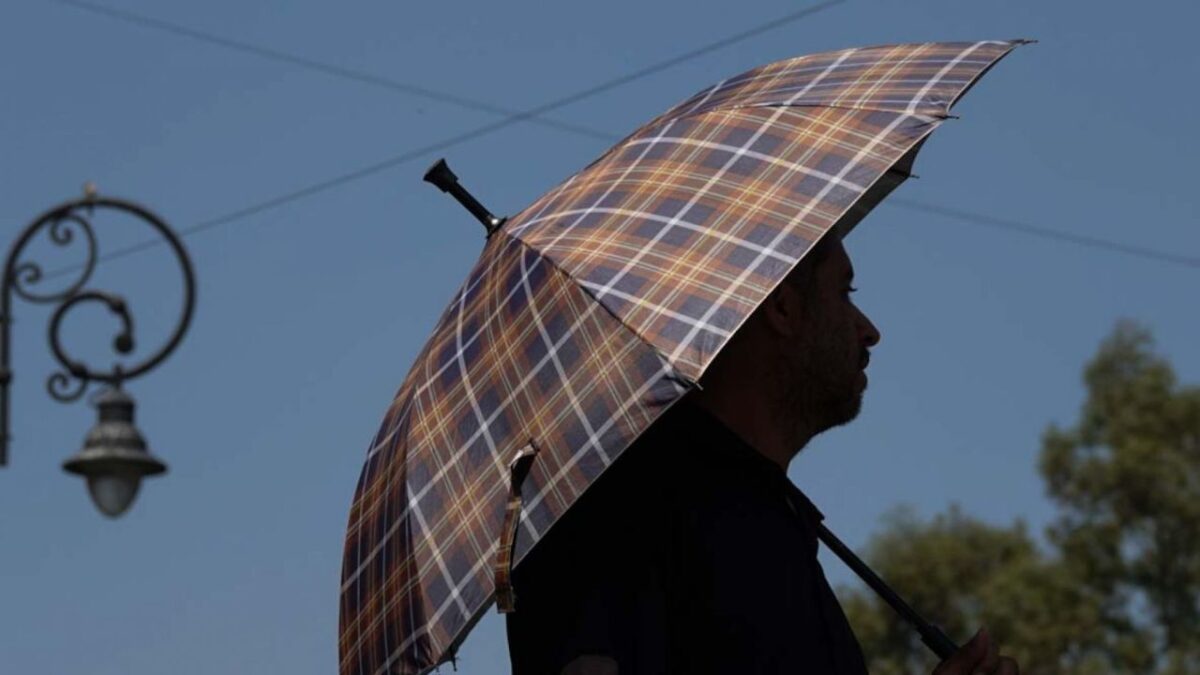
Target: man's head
<point>823,337</point>
<point>796,366</point>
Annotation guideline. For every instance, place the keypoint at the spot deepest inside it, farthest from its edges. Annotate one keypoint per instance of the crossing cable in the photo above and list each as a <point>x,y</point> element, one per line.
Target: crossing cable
<point>443,144</point>
<point>326,68</point>
<point>534,116</point>
<point>1045,232</point>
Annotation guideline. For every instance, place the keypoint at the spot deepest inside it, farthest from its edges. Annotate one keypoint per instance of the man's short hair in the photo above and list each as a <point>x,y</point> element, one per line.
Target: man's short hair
<point>803,274</point>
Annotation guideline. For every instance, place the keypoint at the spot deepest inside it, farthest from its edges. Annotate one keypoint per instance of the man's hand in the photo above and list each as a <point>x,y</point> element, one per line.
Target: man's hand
<point>980,655</point>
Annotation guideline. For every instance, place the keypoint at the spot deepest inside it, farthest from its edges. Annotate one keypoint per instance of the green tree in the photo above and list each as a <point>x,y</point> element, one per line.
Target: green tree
<point>1127,480</point>
<point>965,573</point>
<point>1119,589</point>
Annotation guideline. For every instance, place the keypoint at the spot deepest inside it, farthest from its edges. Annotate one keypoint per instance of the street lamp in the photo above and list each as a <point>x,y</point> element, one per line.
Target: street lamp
<point>114,458</point>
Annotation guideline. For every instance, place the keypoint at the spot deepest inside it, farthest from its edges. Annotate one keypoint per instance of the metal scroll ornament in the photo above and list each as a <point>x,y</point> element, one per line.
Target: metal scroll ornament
<point>114,458</point>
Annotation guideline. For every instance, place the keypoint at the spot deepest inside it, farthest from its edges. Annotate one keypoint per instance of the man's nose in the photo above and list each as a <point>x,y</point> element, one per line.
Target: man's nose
<point>869,332</point>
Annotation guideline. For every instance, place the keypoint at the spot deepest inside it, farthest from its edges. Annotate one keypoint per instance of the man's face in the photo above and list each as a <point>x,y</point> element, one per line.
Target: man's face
<point>827,366</point>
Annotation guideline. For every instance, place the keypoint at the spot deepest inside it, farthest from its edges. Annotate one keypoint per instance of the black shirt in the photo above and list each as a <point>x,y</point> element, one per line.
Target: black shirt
<point>692,553</point>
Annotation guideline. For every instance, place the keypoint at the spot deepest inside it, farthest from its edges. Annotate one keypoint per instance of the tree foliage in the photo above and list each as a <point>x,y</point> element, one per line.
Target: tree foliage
<point>1117,591</point>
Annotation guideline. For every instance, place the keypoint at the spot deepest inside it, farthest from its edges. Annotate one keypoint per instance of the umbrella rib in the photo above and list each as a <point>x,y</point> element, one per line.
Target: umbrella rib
<point>658,309</point>
<point>419,390</point>
<point>581,285</point>
<point>597,294</point>
<point>667,372</point>
<point>668,369</point>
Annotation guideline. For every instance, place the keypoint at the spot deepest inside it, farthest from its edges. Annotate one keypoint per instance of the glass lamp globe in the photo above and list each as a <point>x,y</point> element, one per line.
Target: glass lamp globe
<point>114,458</point>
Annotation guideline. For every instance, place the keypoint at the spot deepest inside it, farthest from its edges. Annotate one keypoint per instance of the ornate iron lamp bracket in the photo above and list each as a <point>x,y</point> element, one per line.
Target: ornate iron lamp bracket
<point>61,223</point>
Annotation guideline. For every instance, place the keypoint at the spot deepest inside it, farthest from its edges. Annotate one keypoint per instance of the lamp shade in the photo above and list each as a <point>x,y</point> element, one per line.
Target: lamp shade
<point>114,458</point>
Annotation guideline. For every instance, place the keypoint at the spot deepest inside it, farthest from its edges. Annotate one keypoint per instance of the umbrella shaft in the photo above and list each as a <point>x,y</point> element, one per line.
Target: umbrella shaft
<point>931,635</point>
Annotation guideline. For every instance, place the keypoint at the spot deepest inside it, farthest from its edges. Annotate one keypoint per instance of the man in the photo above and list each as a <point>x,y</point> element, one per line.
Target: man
<point>694,553</point>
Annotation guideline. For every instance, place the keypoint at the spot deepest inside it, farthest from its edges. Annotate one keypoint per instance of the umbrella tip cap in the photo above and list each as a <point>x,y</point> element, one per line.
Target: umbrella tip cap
<point>440,175</point>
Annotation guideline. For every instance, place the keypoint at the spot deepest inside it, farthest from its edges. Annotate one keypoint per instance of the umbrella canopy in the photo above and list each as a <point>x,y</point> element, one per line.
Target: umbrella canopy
<point>593,310</point>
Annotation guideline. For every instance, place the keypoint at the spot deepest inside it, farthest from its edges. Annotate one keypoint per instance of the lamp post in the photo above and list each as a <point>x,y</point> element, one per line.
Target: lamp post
<point>114,458</point>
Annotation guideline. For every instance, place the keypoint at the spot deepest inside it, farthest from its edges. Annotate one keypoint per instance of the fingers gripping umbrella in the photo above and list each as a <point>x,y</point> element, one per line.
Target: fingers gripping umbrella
<point>596,308</point>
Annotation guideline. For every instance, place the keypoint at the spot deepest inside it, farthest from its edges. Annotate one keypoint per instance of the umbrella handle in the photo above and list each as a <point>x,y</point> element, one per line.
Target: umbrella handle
<point>931,635</point>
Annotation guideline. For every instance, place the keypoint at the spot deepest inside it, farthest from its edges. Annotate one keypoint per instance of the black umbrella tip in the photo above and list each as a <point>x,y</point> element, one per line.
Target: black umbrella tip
<point>440,175</point>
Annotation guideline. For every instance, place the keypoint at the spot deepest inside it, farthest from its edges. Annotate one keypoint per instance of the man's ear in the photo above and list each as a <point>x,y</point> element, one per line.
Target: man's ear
<point>780,310</point>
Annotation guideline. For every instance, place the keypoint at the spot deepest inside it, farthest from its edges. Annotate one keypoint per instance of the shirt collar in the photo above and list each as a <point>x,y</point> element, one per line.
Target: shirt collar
<point>705,428</point>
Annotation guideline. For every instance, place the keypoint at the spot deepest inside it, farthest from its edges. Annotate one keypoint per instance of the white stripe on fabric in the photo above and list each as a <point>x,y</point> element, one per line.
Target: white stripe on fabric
<point>429,380</point>
<point>706,231</point>
<point>704,99</point>
<point>636,397</point>
<point>701,192</point>
<point>497,461</point>
<point>592,209</point>
<point>912,105</point>
<point>783,232</point>
<point>815,68</point>
<point>383,560</point>
<point>425,628</point>
<point>457,456</point>
<point>358,598</point>
<point>584,213</point>
<point>659,309</point>
<point>686,342</point>
<point>415,509</point>
<point>414,502</point>
<point>667,369</point>
<point>458,453</point>
<point>508,242</point>
<point>853,163</point>
<point>593,439</point>
<point>743,152</point>
<point>893,81</point>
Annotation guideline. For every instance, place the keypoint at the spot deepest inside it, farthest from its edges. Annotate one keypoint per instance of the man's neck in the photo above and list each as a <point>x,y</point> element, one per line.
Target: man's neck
<point>755,422</point>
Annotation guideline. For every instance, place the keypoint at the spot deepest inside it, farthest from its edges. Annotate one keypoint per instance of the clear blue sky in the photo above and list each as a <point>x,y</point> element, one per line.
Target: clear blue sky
<point>309,314</point>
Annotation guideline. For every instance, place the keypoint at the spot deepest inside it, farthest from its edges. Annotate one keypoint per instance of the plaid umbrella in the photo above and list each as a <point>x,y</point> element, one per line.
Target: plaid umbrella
<point>597,307</point>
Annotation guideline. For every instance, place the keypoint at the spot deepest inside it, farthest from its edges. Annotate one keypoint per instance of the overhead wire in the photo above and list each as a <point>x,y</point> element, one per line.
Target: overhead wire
<point>451,141</point>
<point>536,116</point>
<point>1045,232</point>
<point>341,72</point>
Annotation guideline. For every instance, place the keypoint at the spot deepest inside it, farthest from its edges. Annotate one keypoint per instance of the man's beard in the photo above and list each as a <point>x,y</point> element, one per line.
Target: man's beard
<point>818,400</point>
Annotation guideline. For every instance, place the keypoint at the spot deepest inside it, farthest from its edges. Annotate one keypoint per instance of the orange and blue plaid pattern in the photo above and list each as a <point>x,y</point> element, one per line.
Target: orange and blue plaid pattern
<point>600,305</point>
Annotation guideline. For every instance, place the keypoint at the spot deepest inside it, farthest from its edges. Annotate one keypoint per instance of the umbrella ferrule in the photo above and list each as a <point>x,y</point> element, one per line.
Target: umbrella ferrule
<point>445,180</point>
